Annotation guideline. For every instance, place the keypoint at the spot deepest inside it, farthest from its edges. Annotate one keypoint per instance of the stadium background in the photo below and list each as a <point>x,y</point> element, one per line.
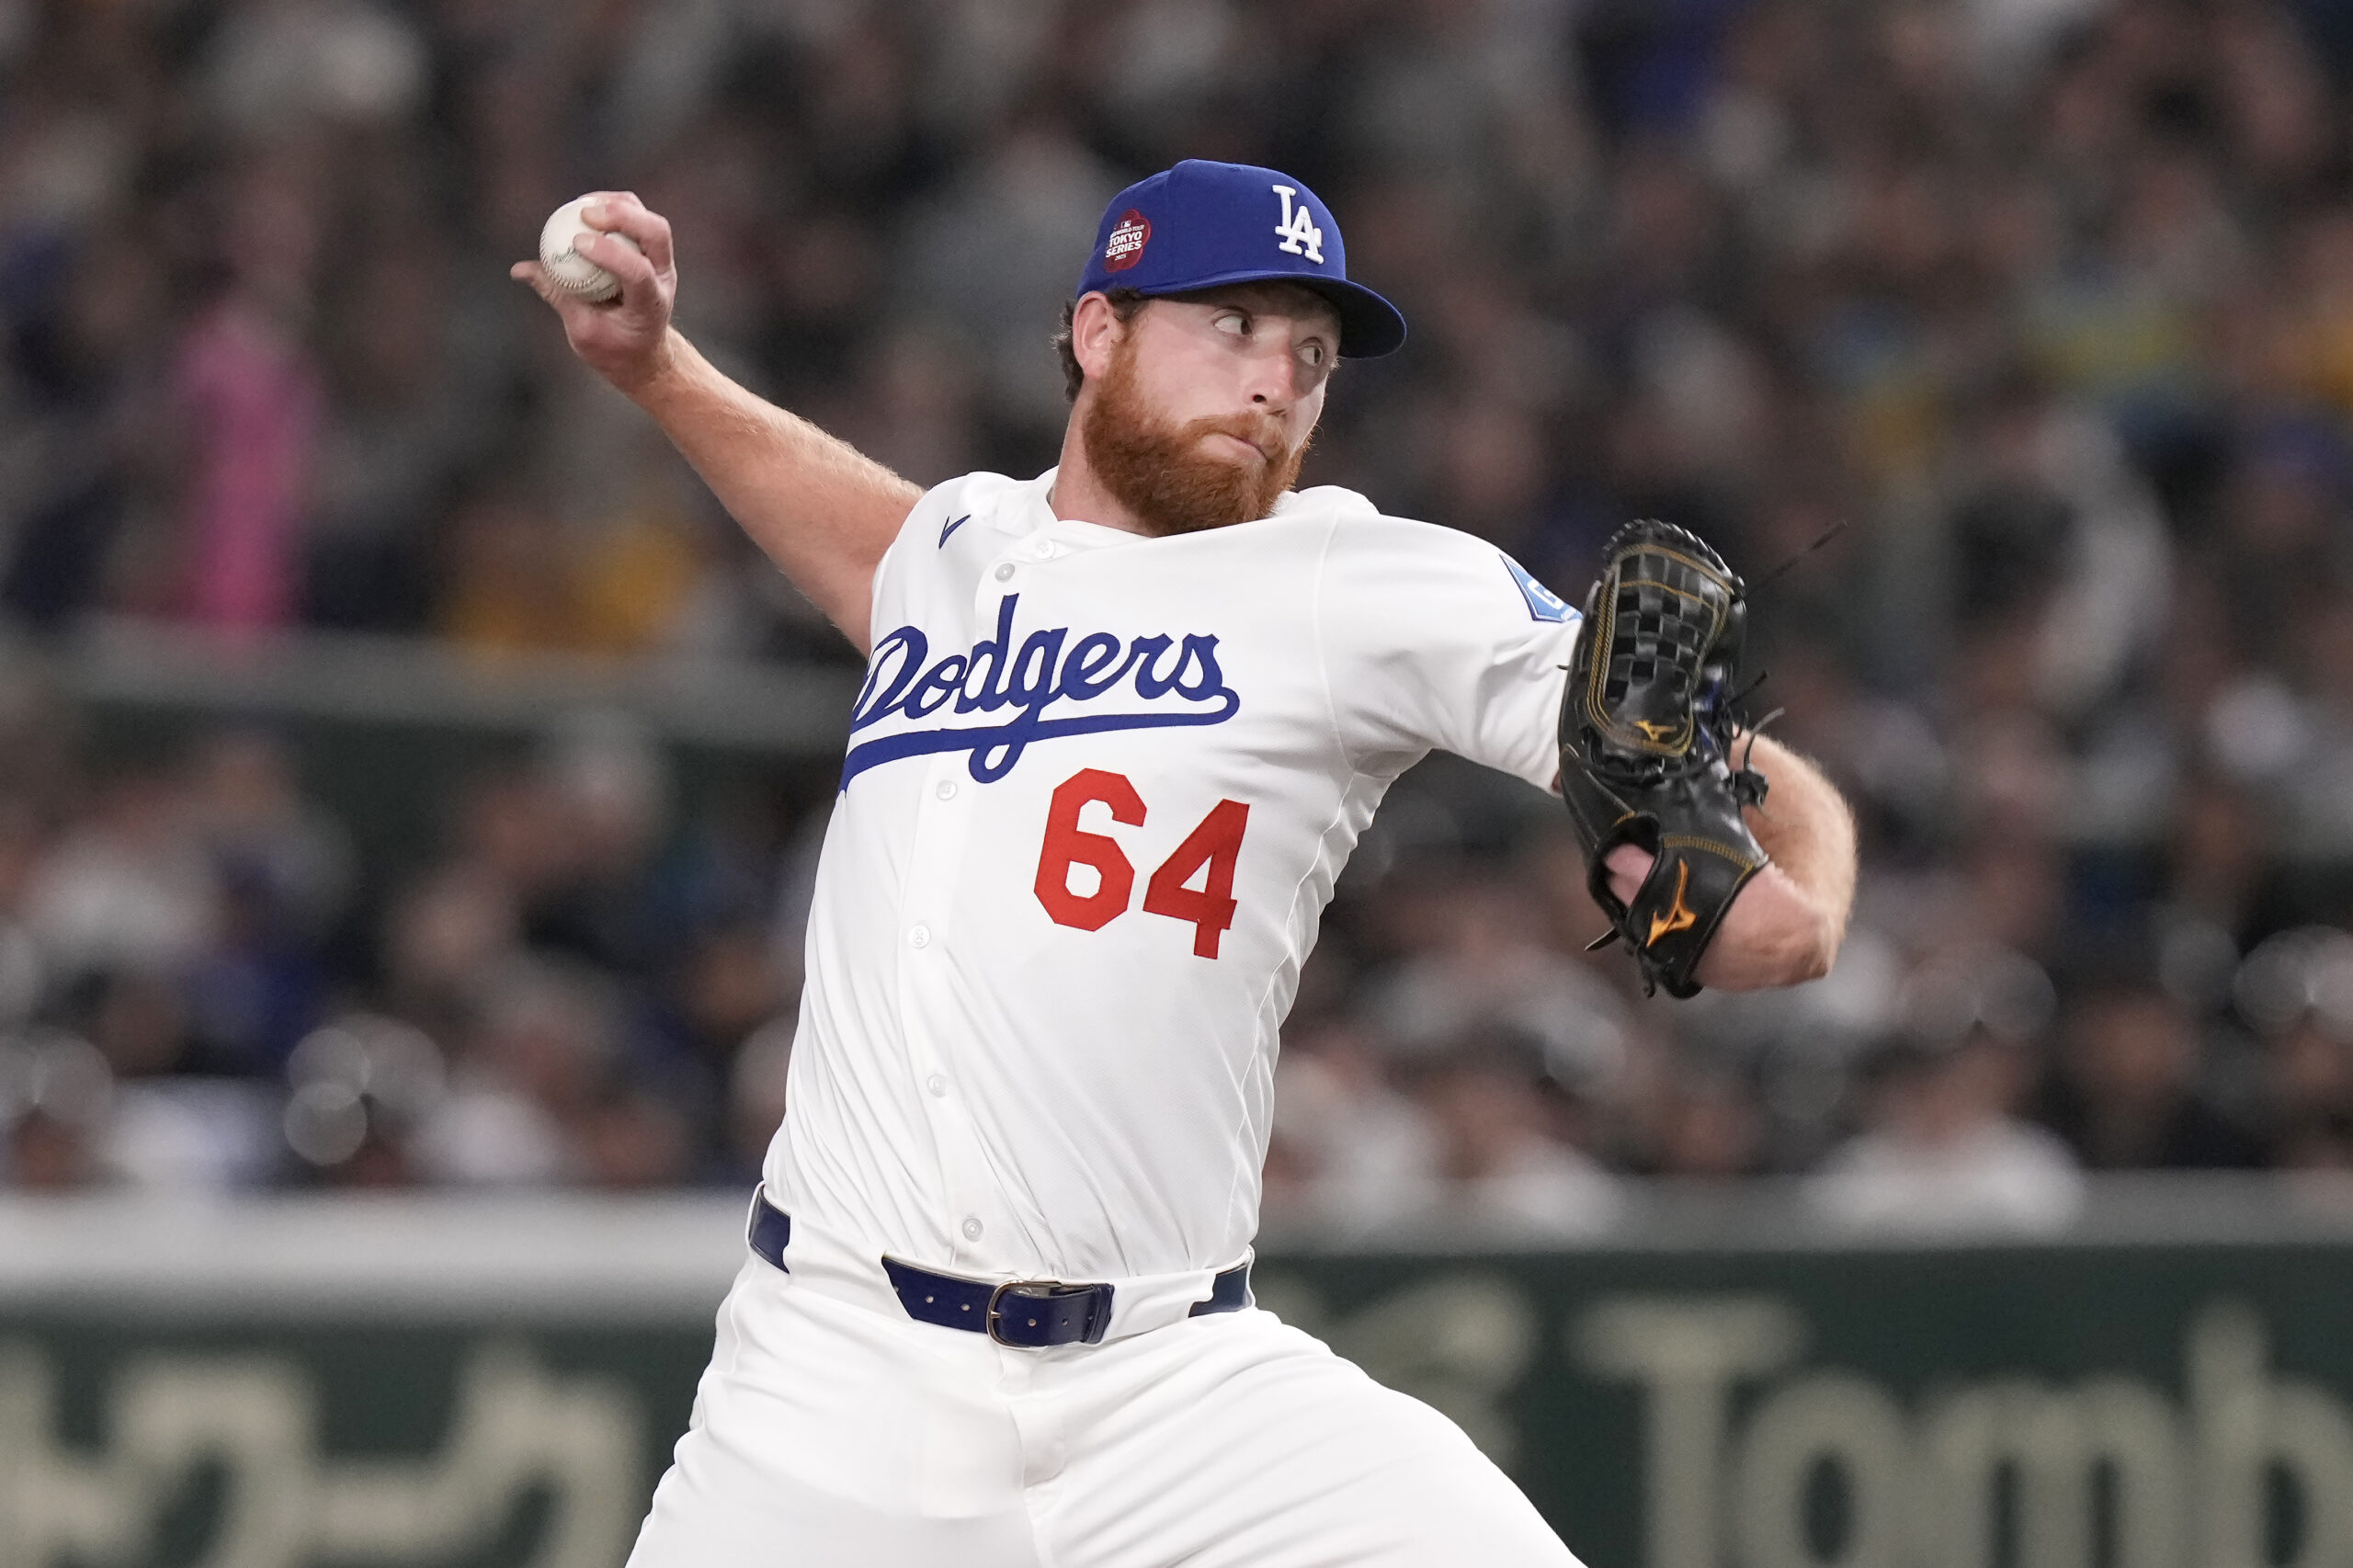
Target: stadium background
<point>410,781</point>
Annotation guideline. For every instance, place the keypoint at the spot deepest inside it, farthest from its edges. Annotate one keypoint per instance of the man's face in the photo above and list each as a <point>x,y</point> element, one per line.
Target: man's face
<point>1204,404</point>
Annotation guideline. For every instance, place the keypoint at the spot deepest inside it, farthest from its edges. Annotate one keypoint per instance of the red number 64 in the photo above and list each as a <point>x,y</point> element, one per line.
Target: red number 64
<point>1208,851</point>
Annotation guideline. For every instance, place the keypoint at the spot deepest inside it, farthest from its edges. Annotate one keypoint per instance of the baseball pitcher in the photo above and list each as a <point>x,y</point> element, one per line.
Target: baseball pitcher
<point>1121,727</point>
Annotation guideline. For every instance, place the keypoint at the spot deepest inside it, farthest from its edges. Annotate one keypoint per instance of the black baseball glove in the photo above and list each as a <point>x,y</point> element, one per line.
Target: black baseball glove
<point>1646,738</point>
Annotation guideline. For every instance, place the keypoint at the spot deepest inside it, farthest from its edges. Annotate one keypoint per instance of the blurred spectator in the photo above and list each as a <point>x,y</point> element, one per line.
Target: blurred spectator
<point>1479,964</point>
<point>1504,1144</point>
<point>275,64</point>
<point>249,811</point>
<point>83,444</point>
<point>445,936</point>
<point>410,417</point>
<point>1349,1150</point>
<point>538,1094</point>
<point>2129,1096</point>
<point>128,888</point>
<point>1941,1152</point>
<point>1698,1119</point>
<point>2312,1072</point>
<point>248,399</point>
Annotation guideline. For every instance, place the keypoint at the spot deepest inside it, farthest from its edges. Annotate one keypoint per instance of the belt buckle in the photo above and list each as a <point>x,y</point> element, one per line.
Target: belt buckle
<point>1050,1290</point>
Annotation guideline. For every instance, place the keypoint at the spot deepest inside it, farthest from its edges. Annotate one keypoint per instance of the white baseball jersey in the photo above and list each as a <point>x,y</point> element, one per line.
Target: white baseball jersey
<point>1098,789</point>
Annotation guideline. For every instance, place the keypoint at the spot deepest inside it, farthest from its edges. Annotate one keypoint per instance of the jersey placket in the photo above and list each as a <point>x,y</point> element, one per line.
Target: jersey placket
<point>926,1001</point>
<point>977,1218</point>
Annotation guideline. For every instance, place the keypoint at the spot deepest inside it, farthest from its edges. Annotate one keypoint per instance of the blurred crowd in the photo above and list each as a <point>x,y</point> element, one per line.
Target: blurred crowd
<point>2005,344</point>
<point>203,987</point>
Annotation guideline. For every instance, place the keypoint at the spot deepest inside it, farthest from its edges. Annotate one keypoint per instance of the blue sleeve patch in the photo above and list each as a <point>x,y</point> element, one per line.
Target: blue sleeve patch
<point>1543,603</point>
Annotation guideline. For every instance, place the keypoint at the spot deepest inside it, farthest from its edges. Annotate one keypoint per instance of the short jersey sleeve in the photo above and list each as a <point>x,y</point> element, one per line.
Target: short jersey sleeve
<point>1434,639</point>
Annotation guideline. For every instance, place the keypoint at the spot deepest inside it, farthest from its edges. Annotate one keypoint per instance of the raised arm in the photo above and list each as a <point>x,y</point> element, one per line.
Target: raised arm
<point>1785,925</point>
<point>822,510</point>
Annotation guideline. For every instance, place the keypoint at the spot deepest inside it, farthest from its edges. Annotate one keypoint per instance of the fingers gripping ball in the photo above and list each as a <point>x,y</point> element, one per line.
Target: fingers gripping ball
<point>566,268</point>
<point>1646,740</point>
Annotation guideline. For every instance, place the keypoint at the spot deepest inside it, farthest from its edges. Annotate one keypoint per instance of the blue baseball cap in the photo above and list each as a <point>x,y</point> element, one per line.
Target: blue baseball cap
<point>1202,225</point>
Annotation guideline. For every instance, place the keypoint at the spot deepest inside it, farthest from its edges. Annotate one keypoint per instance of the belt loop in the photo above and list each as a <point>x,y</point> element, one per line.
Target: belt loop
<point>1229,1292</point>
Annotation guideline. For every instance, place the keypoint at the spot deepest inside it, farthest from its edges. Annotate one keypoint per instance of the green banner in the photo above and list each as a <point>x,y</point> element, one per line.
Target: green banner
<point>2045,1406</point>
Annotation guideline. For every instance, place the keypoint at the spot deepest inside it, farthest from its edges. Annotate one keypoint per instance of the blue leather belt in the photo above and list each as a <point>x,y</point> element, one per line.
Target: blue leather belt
<point>1029,1314</point>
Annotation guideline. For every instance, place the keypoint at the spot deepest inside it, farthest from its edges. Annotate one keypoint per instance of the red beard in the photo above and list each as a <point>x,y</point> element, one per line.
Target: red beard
<point>1159,472</point>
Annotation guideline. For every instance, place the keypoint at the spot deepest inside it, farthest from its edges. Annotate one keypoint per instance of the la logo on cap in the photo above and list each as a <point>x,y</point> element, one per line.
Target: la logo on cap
<point>1298,231</point>
<point>1125,247</point>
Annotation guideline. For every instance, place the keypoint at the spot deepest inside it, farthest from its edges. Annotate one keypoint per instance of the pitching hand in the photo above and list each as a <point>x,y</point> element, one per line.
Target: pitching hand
<point>626,339</point>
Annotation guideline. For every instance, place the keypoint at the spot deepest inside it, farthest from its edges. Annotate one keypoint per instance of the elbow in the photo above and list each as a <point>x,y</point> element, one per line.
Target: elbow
<point>1811,941</point>
<point>1816,953</point>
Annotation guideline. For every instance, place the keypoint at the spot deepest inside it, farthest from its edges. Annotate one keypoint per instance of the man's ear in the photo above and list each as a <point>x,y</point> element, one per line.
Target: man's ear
<point>1095,330</point>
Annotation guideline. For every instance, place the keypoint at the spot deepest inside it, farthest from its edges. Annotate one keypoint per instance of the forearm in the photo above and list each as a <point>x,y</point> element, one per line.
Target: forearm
<point>1785,925</point>
<point>823,511</point>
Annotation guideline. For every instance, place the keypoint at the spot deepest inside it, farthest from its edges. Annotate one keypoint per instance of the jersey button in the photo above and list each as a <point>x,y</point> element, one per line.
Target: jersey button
<point>920,937</point>
<point>1043,548</point>
<point>945,790</point>
<point>937,1086</point>
<point>971,1228</point>
<point>1004,572</point>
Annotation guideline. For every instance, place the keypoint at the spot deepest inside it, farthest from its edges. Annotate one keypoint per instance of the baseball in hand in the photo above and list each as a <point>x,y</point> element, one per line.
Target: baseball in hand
<point>566,268</point>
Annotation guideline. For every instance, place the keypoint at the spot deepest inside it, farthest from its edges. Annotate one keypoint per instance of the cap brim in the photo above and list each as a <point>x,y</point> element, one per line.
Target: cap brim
<point>1369,326</point>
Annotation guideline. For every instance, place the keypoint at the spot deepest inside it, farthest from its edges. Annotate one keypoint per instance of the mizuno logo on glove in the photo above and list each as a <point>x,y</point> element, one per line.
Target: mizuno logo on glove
<point>1679,915</point>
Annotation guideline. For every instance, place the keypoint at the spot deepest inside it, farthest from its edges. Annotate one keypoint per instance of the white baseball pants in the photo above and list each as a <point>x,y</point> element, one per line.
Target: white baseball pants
<point>827,1432</point>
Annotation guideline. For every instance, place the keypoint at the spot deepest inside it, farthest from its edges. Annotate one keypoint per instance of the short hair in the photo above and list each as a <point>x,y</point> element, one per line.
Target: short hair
<point>1125,303</point>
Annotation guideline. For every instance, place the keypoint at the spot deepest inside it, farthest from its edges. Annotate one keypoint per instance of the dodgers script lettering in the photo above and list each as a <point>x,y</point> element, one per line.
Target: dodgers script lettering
<point>1055,685</point>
